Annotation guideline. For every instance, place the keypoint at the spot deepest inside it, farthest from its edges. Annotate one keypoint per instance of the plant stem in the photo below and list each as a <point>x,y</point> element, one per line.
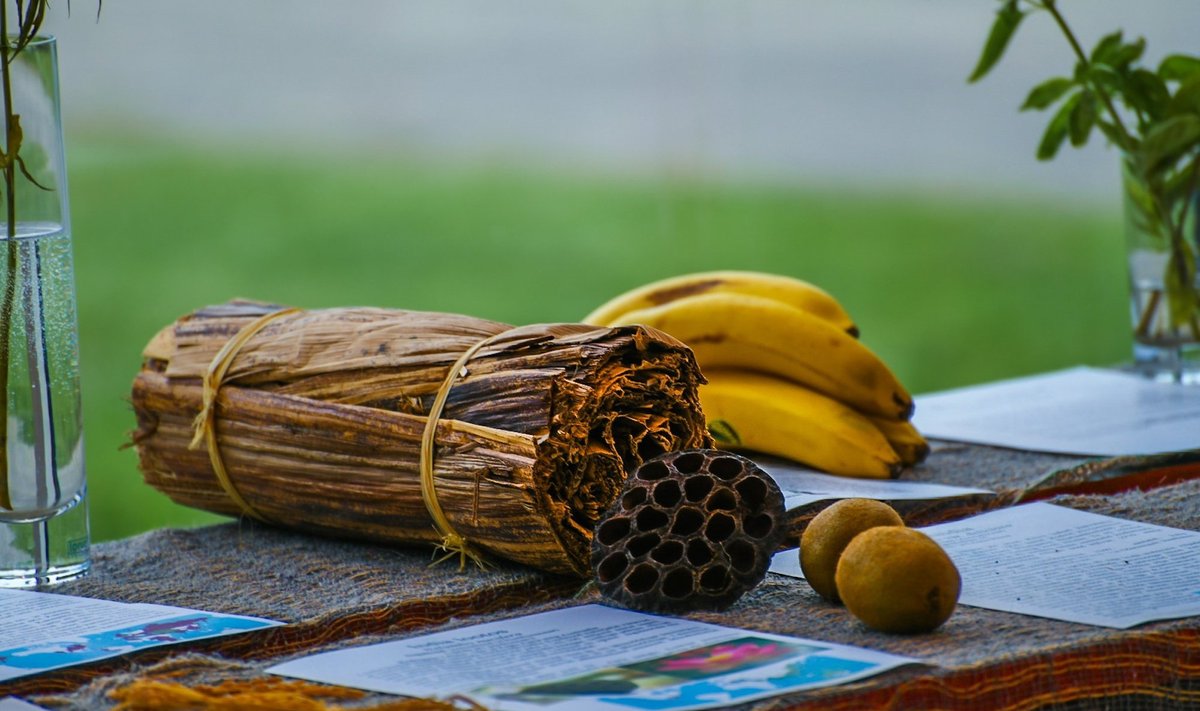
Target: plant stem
<point>1052,8</point>
<point>8,299</point>
<point>1172,227</point>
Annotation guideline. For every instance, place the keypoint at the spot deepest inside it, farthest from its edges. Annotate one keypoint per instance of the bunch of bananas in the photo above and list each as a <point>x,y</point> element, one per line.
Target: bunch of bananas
<point>786,372</point>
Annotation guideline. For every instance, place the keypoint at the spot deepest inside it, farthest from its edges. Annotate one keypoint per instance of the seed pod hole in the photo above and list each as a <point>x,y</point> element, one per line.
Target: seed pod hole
<point>678,583</point>
<point>753,492</point>
<point>714,579</point>
<point>651,519</point>
<point>641,579</point>
<point>741,556</point>
<point>613,530</point>
<point>633,498</point>
<point>667,493</point>
<point>759,526</point>
<point>696,488</point>
<point>726,468</point>
<point>668,552</point>
<point>689,463</point>
<point>722,500</point>
<point>612,567</point>
<point>698,552</point>
<point>687,522</point>
<point>719,527</point>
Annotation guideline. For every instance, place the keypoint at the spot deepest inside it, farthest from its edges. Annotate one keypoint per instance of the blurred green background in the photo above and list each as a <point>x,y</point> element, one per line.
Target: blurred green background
<point>526,161</point>
<point>948,290</point>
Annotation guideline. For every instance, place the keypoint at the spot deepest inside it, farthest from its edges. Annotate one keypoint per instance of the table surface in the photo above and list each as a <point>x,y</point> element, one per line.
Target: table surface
<point>335,593</point>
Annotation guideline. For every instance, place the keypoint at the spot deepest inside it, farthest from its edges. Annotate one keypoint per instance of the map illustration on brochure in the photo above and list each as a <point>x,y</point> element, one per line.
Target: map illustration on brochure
<point>742,668</point>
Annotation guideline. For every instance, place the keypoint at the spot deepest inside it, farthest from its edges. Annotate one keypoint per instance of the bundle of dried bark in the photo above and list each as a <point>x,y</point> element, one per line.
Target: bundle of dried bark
<point>319,418</point>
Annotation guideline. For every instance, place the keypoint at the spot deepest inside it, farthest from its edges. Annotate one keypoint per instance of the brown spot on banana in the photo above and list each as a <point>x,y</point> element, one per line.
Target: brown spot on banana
<point>667,295</point>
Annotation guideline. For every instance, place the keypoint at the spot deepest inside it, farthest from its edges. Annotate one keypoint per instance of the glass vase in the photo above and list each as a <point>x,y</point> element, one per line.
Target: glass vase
<point>43,509</point>
<point>1162,237</point>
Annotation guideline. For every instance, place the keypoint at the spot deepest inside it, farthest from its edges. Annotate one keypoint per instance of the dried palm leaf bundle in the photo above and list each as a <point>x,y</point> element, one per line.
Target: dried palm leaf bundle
<point>315,420</point>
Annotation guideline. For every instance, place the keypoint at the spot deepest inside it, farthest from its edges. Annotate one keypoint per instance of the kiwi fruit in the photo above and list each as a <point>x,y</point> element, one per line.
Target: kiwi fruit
<point>897,580</point>
<point>828,534</point>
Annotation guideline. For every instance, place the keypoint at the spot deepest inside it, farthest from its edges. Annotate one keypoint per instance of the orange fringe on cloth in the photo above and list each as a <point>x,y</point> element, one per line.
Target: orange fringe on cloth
<point>265,694</point>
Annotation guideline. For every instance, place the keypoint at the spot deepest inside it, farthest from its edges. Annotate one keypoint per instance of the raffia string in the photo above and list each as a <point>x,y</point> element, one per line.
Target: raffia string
<point>204,427</point>
<point>452,542</point>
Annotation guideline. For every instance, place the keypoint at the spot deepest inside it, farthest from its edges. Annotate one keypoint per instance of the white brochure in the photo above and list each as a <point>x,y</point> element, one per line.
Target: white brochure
<point>594,658</point>
<point>1054,562</point>
<point>802,486</point>
<point>43,631</point>
<point>1086,411</point>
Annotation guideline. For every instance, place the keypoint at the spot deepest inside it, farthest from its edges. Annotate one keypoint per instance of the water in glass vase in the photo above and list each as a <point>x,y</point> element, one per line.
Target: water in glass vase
<point>43,512</point>
<point>1161,350</point>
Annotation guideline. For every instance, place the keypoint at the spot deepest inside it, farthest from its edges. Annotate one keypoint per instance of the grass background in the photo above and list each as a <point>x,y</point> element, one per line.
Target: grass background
<point>948,289</point>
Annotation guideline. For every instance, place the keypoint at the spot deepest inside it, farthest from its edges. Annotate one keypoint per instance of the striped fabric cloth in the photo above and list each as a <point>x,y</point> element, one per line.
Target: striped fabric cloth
<point>338,594</point>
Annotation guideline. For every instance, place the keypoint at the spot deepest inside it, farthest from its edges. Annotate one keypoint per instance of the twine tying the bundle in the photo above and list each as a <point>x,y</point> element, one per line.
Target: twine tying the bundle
<point>452,542</point>
<point>205,430</point>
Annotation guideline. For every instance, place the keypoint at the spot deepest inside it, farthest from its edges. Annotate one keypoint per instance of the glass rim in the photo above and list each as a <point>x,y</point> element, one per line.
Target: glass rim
<point>38,40</point>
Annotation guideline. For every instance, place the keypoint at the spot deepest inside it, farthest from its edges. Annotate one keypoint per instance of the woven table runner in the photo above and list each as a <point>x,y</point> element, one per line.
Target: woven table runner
<point>325,589</point>
<point>980,659</point>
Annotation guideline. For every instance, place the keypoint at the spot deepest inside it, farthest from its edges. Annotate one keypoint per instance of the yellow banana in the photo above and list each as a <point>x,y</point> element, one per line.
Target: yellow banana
<point>909,443</point>
<point>755,333</point>
<point>787,290</point>
<point>766,414</point>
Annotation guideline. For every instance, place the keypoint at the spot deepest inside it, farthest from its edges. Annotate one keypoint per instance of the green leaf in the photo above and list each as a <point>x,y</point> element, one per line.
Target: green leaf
<point>1180,184</point>
<point>1179,67</point>
<point>1008,18</point>
<point>1106,48</point>
<point>1166,141</point>
<point>1047,93</point>
<point>1100,75</point>
<point>1128,53</point>
<point>1057,131</point>
<point>1145,91</point>
<point>1138,197</point>
<point>1186,99</point>
<point>1183,299</point>
<point>1082,119</point>
<point>1113,51</point>
<point>1116,137</point>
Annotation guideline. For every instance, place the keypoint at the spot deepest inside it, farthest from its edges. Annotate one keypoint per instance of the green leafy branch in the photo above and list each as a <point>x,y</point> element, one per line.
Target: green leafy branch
<point>1152,116</point>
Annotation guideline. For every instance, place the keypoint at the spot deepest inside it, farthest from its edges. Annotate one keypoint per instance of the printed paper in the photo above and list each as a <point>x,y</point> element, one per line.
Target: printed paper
<point>594,658</point>
<point>1084,411</point>
<point>43,631</point>
<point>802,486</point>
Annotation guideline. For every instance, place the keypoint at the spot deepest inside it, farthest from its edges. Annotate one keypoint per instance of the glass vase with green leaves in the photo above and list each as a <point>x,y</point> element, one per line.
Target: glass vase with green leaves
<point>1152,116</point>
<point>43,514</point>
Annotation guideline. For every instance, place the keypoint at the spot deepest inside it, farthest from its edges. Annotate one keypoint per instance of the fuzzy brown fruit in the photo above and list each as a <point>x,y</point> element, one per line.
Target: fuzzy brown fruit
<point>898,580</point>
<point>828,534</point>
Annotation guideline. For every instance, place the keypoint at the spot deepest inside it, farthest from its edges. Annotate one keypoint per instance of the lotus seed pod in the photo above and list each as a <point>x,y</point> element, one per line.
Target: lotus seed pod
<point>691,530</point>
